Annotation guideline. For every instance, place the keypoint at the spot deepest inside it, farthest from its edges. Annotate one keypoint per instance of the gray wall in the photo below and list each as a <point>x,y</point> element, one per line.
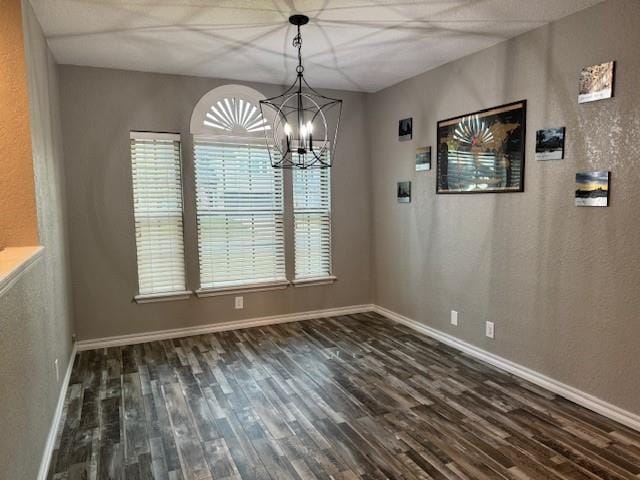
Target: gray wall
<point>99,108</point>
<point>560,282</point>
<point>35,313</point>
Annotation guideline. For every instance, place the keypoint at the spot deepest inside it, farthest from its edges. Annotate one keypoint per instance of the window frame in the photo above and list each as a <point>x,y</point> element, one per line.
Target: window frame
<point>169,295</point>
<point>200,131</point>
<point>330,276</point>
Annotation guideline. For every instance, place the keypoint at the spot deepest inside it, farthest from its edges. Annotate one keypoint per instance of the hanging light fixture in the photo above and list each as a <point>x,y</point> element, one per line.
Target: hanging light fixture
<point>303,133</point>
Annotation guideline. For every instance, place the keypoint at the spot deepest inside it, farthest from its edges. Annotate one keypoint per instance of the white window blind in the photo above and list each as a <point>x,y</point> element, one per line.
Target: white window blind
<point>157,199</point>
<point>240,214</point>
<point>312,219</point>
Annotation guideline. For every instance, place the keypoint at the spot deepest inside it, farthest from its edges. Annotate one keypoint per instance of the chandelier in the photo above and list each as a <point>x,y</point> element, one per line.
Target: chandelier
<point>304,132</point>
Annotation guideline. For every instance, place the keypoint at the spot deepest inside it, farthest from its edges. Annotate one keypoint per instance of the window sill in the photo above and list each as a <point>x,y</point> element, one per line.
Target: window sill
<point>312,282</point>
<point>163,297</point>
<point>14,261</point>
<point>258,287</point>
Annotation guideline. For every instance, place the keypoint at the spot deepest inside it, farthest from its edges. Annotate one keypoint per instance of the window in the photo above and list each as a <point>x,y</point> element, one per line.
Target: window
<point>239,201</point>
<point>240,210</point>
<point>157,200</point>
<point>240,215</point>
<point>312,220</point>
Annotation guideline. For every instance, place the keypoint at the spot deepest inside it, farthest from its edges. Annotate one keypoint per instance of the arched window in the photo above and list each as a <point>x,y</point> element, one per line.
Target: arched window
<point>231,110</point>
<point>240,211</point>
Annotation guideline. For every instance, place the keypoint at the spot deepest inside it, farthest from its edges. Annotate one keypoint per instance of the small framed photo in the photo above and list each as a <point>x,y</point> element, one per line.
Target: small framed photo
<point>550,144</point>
<point>592,189</point>
<point>423,159</point>
<point>405,129</point>
<point>596,82</point>
<point>404,192</point>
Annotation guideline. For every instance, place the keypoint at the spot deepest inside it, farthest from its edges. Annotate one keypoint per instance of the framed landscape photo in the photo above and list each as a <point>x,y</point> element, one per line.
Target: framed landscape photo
<point>405,129</point>
<point>482,152</point>
<point>592,189</point>
<point>423,159</point>
<point>596,82</point>
<point>404,192</point>
<point>550,144</point>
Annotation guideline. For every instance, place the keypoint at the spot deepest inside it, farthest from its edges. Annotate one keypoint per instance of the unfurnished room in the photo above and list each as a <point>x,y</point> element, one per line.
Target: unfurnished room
<point>320,239</point>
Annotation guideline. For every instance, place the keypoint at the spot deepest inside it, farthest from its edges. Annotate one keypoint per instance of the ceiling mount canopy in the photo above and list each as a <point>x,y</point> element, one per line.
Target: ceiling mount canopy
<point>305,122</point>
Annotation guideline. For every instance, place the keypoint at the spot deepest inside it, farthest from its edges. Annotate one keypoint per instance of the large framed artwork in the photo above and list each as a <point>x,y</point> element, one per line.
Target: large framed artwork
<point>483,152</point>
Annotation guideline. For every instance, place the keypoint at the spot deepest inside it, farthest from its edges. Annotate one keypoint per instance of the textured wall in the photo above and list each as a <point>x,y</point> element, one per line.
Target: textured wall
<point>35,313</point>
<point>99,108</point>
<point>561,283</point>
<point>18,226</point>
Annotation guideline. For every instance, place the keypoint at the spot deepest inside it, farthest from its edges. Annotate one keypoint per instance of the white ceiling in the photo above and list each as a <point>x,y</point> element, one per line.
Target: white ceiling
<point>350,44</point>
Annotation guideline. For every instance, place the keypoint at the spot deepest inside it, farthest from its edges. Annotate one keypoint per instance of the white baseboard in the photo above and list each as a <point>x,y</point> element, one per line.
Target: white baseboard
<point>53,429</point>
<point>579,397</point>
<point>217,327</point>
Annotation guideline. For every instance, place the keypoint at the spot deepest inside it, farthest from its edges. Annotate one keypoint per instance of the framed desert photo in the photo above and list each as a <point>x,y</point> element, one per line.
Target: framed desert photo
<point>550,144</point>
<point>596,82</point>
<point>592,189</point>
<point>483,152</point>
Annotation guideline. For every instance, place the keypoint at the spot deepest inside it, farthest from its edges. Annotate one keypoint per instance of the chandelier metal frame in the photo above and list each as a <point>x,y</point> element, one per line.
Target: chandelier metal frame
<point>305,108</point>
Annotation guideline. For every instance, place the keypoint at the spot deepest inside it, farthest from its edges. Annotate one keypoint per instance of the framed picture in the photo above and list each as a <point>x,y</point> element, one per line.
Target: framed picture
<point>423,159</point>
<point>404,192</point>
<point>592,189</point>
<point>405,129</point>
<point>483,152</point>
<point>596,82</point>
<point>550,144</point>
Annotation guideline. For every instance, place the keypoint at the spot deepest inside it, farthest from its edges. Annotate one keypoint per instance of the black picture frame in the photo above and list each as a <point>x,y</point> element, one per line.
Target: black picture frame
<point>515,146</point>
<point>404,192</point>
<point>550,143</point>
<point>405,129</point>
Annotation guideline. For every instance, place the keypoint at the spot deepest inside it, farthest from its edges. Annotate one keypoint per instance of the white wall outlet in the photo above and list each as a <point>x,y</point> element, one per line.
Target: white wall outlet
<point>489,330</point>
<point>239,303</point>
<point>56,365</point>
<point>454,318</point>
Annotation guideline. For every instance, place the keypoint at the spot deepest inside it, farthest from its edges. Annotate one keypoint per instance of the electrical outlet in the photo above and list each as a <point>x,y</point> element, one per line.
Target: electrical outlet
<point>454,318</point>
<point>239,303</point>
<point>57,367</point>
<point>489,330</point>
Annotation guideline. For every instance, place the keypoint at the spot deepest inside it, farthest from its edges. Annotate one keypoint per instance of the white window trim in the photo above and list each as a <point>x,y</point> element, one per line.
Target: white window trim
<point>315,281</point>
<point>171,137</point>
<point>163,297</point>
<point>256,287</point>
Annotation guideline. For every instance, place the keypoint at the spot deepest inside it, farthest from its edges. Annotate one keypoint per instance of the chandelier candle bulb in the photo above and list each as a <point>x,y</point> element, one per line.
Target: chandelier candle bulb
<point>287,132</point>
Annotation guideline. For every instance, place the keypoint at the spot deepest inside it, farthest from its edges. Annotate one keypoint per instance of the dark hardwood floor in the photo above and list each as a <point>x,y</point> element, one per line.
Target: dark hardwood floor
<point>337,398</point>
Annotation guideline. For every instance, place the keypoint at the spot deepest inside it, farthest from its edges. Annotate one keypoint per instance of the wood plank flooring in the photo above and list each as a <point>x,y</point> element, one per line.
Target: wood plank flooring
<point>351,397</point>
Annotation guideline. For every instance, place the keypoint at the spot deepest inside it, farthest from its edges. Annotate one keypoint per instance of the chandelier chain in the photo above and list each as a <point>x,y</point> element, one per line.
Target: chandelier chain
<point>297,43</point>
